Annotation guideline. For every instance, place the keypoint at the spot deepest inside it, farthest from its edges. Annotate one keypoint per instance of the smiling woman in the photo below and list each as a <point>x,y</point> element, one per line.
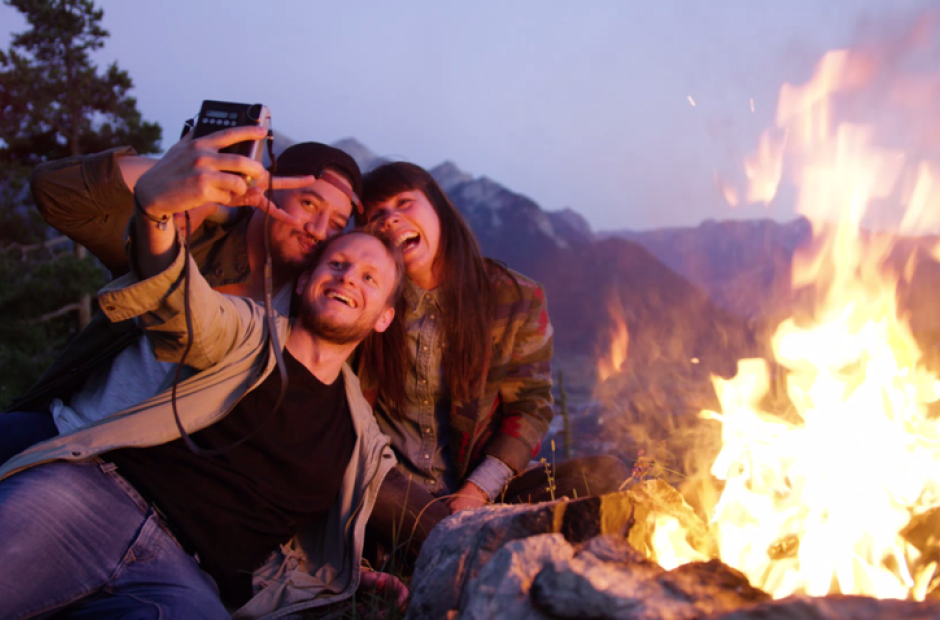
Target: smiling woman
<point>417,229</point>
<point>461,380</point>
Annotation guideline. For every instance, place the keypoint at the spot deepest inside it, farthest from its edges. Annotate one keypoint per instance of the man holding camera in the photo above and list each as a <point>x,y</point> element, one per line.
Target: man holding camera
<point>90,199</point>
<point>112,517</point>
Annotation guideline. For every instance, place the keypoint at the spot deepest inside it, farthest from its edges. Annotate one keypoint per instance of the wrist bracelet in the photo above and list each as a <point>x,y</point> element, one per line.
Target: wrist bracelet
<point>161,222</point>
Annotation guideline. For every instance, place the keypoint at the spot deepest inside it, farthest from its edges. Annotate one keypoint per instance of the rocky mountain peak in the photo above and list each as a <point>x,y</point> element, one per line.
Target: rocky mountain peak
<point>366,159</point>
<point>570,224</point>
<point>449,176</point>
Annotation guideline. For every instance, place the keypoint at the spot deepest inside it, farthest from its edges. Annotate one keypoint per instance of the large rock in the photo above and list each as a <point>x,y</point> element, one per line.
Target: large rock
<point>459,547</point>
<point>547,578</point>
<point>503,587</point>
<point>501,590</point>
<point>608,579</point>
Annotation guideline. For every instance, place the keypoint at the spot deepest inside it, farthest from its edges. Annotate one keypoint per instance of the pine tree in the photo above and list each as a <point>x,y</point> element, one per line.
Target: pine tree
<point>54,102</point>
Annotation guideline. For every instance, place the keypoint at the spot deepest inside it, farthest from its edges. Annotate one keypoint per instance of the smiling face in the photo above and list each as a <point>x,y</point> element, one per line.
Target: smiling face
<point>324,211</point>
<point>411,221</point>
<point>347,294</point>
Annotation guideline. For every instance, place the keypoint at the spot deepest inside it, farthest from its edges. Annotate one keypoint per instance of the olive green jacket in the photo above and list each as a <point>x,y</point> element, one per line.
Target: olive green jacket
<point>85,197</point>
<point>320,565</point>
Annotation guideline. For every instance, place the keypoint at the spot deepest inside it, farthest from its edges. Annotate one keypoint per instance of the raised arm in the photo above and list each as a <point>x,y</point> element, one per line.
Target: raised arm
<point>89,199</point>
<point>191,174</point>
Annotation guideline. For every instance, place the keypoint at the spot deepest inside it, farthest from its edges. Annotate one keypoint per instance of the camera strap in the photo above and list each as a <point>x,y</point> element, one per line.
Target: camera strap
<point>271,338</point>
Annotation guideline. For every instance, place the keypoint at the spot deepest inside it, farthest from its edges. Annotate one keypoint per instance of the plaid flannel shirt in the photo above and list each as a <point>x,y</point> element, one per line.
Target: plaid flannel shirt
<point>513,408</point>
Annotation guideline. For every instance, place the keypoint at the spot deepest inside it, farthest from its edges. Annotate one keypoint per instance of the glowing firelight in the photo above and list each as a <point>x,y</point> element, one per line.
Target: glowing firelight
<point>611,363</point>
<point>728,191</point>
<point>817,502</point>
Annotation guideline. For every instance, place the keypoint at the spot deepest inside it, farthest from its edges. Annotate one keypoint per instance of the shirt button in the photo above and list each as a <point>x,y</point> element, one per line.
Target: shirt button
<point>424,348</point>
<point>218,272</point>
<point>427,456</point>
<point>431,317</point>
<point>427,402</point>
<point>430,481</point>
<point>241,268</point>
<point>423,381</point>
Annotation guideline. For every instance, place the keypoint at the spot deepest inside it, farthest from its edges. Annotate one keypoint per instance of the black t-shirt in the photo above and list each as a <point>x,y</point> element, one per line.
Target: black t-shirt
<point>236,508</point>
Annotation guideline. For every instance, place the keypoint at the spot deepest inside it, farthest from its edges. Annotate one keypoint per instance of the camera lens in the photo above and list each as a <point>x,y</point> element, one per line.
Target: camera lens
<point>254,112</point>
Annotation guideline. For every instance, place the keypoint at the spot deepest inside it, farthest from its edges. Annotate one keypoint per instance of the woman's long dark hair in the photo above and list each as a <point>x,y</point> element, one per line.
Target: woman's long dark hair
<point>465,294</point>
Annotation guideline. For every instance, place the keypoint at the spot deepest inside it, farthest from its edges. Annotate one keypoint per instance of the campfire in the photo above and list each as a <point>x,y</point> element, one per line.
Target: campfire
<point>820,496</point>
<point>823,496</point>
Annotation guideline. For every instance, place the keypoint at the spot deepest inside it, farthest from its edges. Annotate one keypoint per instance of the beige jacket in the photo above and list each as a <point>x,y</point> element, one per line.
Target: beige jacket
<point>320,565</point>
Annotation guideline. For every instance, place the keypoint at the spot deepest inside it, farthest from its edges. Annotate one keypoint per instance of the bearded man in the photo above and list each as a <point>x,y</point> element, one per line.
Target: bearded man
<point>244,510</point>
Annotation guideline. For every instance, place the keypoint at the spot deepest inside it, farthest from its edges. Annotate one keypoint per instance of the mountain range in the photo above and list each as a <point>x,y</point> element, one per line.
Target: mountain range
<point>583,272</point>
<point>695,300</point>
<point>678,336</point>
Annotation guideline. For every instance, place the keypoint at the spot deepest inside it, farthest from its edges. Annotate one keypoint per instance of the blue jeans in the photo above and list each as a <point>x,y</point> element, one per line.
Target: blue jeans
<point>21,429</point>
<point>78,541</point>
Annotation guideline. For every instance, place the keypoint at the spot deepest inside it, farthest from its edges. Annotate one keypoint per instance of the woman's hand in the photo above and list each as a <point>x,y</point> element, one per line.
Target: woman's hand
<point>468,496</point>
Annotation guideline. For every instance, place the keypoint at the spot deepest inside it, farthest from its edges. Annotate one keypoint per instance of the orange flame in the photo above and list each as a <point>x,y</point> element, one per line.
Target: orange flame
<point>818,501</point>
<point>765,168</point>
<point>728,191</point>
<point>612,362</point>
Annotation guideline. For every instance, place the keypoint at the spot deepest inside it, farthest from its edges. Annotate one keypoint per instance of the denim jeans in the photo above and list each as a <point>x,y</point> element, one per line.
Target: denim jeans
<point>79,542</point>
<point>21,429</point>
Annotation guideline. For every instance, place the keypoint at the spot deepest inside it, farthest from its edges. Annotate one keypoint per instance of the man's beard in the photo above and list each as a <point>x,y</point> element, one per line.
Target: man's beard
<point>336,334</point>
<point>282,260</point>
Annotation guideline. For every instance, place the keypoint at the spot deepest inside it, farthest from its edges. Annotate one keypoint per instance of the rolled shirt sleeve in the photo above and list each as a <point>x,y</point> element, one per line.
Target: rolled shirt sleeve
<point>491,476</point>
<point>158,303</point>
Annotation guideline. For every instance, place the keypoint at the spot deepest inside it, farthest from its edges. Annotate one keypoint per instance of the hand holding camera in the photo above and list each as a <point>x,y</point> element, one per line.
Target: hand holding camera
<point>194,172</point>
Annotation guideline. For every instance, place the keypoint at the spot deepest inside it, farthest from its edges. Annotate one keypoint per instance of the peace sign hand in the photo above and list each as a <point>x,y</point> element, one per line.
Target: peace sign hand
<point>193,172</point>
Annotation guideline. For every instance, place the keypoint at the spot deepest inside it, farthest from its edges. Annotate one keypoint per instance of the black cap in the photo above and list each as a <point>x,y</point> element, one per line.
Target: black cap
<point>313,158</point>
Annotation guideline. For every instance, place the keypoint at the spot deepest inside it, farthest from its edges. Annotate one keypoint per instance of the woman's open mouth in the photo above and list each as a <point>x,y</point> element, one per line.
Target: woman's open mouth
<point>408,240</point>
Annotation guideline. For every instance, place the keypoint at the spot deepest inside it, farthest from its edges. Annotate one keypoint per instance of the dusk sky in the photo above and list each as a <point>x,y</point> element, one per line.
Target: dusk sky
<point>582,105</point>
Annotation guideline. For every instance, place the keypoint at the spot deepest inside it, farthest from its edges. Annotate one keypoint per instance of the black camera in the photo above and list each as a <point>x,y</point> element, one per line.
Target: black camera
<point>218,115</point>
